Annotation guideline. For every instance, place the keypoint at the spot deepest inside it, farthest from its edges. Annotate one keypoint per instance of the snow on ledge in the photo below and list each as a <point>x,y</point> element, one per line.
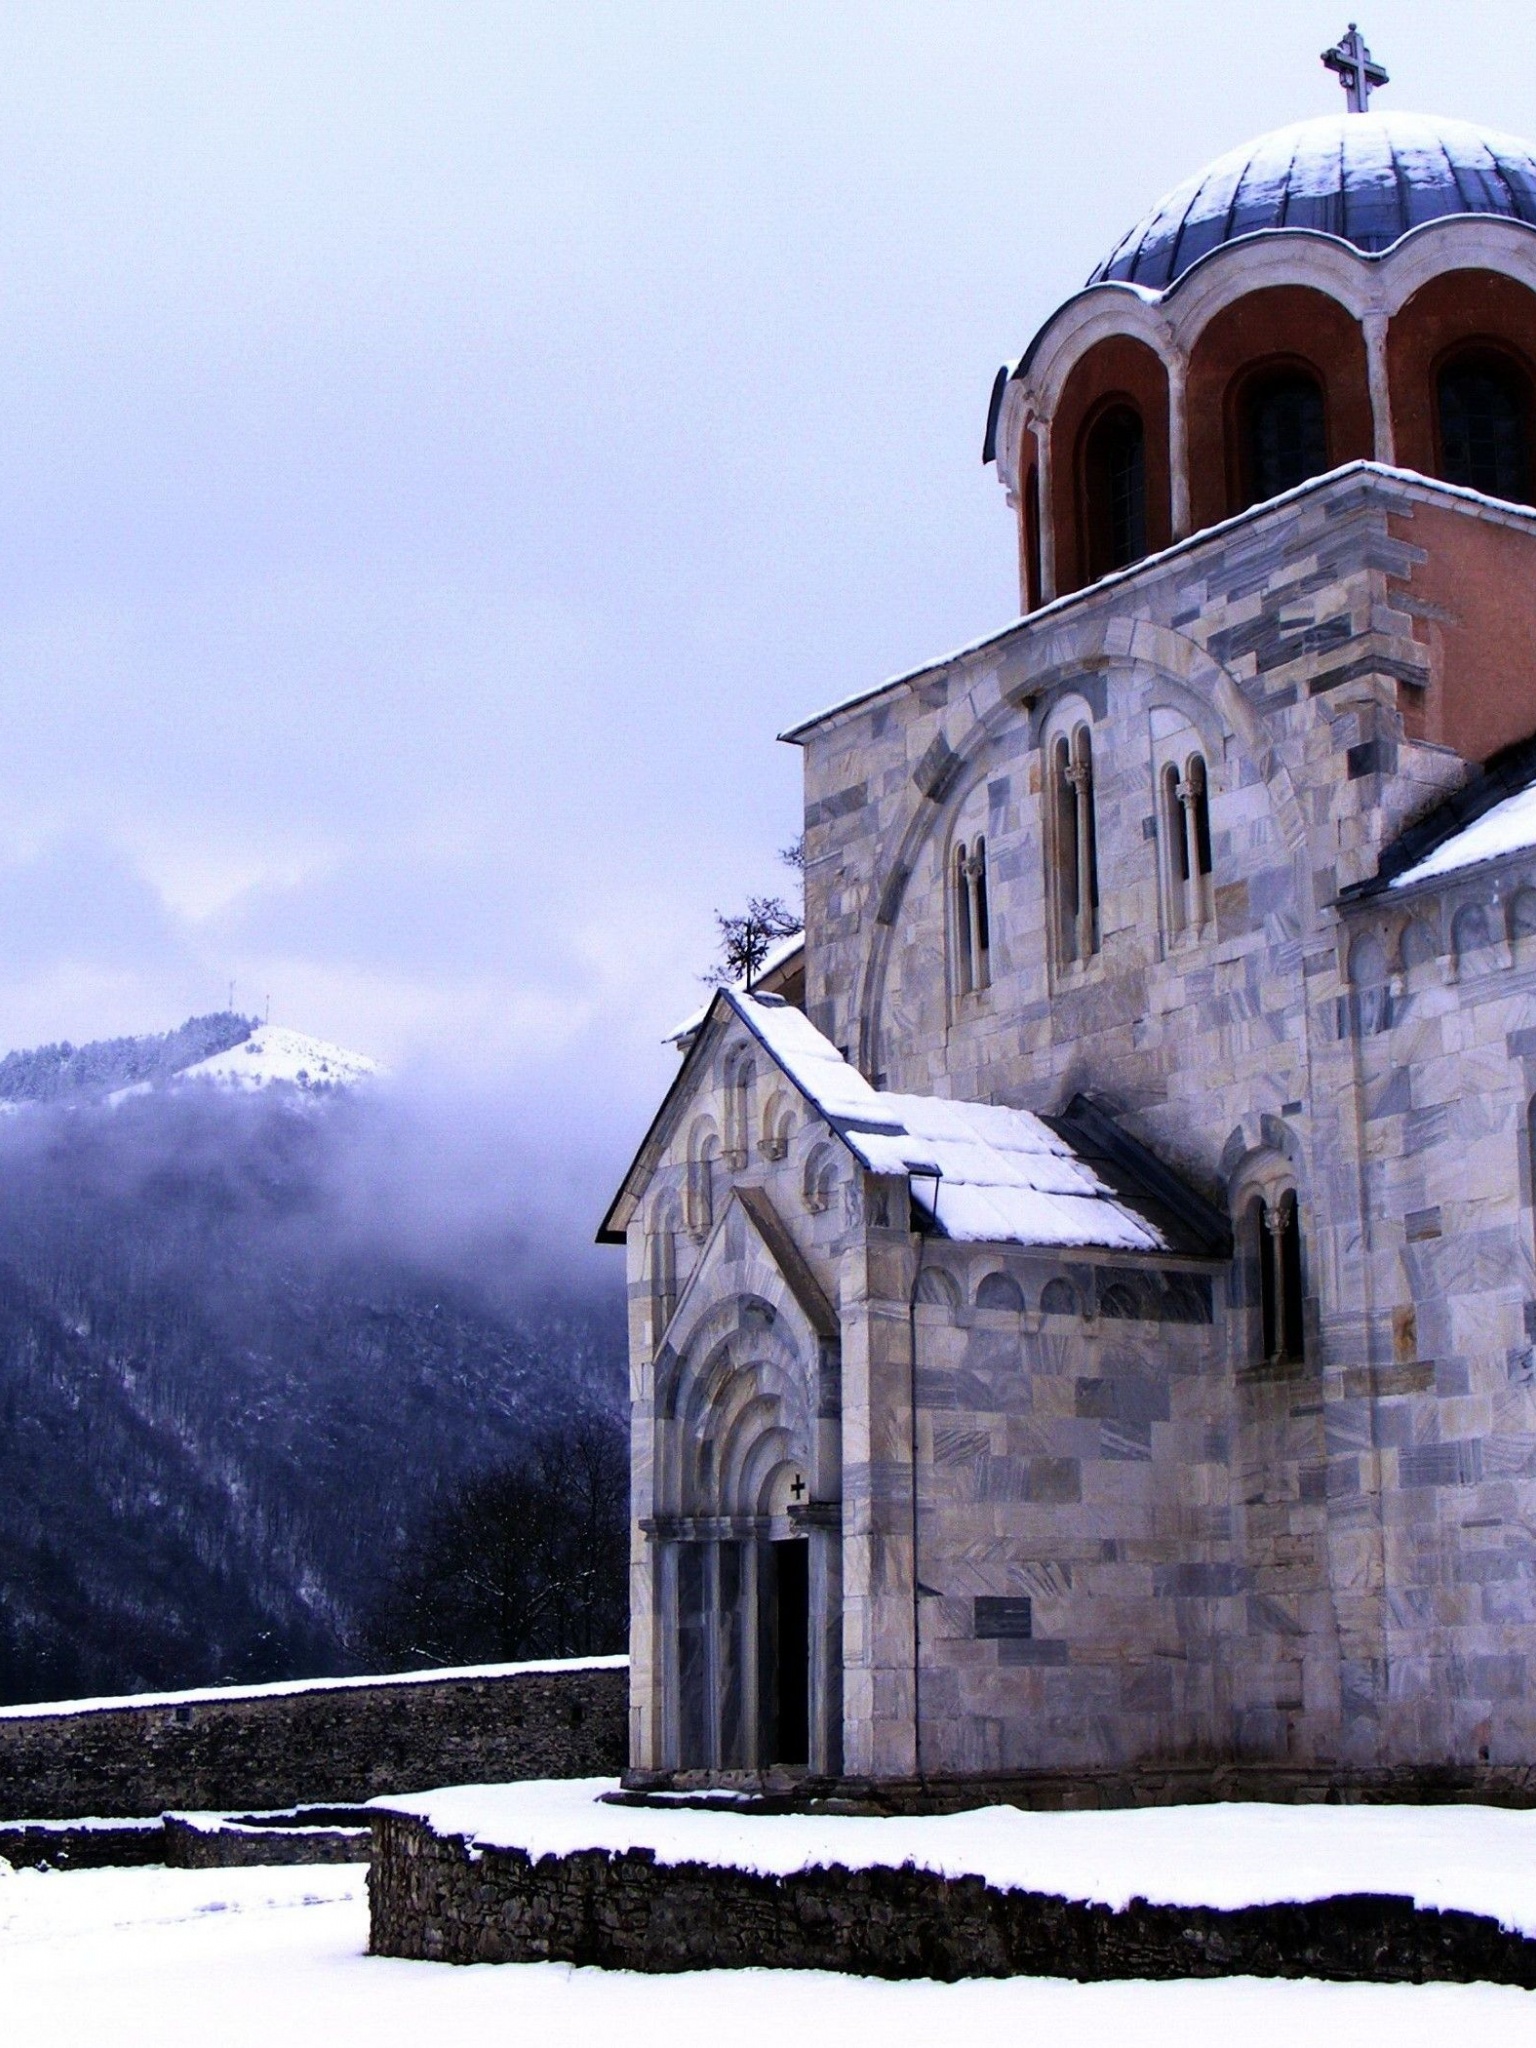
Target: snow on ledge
<point>211,1695</point>
<point>1474,1859</point>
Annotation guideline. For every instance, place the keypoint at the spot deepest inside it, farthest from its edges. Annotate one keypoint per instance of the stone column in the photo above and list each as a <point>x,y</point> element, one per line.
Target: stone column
<point>1178,443</point>
<point>1375,326</point>
<point>878,1635</point>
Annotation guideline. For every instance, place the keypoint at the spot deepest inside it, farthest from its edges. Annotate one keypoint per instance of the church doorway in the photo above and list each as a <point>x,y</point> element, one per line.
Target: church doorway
<point>787,1662</point>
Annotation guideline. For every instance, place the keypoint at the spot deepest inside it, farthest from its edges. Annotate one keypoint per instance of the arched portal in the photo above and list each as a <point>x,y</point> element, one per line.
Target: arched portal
<point>748,1576</point>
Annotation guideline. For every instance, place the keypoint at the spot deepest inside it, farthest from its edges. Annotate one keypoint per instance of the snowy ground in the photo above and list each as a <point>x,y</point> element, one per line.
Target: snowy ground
<point>169,1958</point>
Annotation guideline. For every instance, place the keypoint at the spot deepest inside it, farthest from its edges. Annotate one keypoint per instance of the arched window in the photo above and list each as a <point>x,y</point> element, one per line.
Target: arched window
<point>703,1174</point>
<point>1522,915</point>
<point>738,1110</point>
<point>972,917</point>
<point>1470,934</point>
<point>1034,578</point>
<point>1418,945</point>
<point>1273,1251</point>
<point>1186,834</point>
<point>1115,490</point>
<point>1000,1290</point>
<point>1059,1298</point>
<point>1373,996</point>
<point>1120,1299</point>
<point>1285,433</point>
<point>1074,846</point>
<point>820,1182</point>
<point>1482,401</point>
<point>663,1269</point>
<point>778,1125</point>
<point>935,1289</point>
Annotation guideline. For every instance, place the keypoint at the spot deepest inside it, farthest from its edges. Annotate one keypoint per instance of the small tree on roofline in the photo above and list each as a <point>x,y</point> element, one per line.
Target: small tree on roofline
<point>747,938</point>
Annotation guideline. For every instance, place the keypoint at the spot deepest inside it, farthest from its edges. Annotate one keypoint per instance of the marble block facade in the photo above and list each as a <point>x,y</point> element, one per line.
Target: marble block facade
<point>1097,1334</point>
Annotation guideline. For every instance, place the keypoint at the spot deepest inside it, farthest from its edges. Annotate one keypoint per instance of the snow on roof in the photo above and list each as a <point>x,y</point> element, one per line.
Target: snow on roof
<point>1433,488</point>
<point>1509,827</point>
<point>1474,1859</point>
<point>778,953</point>
<point>1002,1175</point>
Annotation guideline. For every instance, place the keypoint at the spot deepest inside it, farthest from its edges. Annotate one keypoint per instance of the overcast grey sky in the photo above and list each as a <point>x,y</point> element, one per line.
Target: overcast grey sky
<point>442,444</point>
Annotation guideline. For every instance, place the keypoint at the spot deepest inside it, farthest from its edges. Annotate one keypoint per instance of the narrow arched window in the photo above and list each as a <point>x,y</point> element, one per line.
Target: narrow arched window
<point>1200,826</point>
<point>738,1110</point>
<point>1483,402</point>
<point>1176,850</point>
<point>1285,433</point>
<point>664,1271</point>
<point>1368,972</point>
<point>965,965</point>
<point>981,917</point>
<point>1064,849</point>
<point>703,1192</point>
<point>1034,579</point>
<point>972,917</point>
<point>1074,846</point>
<point>1115,490</point>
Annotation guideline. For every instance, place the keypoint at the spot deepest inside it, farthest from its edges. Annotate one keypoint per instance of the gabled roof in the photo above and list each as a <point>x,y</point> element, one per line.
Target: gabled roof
<point>1492,815</point>
<point>986,1174</point>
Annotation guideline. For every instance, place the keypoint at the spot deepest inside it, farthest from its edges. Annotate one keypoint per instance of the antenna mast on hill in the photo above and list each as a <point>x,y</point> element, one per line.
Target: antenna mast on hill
<point>1357,69</point>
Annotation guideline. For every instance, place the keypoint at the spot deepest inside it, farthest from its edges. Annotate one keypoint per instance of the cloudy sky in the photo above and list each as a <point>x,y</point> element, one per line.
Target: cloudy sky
<point>442,444</point>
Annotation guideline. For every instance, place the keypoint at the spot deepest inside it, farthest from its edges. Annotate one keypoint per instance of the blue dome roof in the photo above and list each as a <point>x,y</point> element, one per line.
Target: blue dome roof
<point>1364,178</point>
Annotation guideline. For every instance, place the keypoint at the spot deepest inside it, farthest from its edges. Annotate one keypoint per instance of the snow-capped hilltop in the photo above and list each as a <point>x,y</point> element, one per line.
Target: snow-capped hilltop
<point>274,1056</point>
<point>225,1050</point>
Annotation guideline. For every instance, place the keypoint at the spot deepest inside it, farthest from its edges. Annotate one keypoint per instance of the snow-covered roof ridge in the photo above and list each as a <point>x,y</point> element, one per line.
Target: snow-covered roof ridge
<point>1427,489</point>
<point>987,1174</point>
<point>778,955</point>
<point>1490,817</point>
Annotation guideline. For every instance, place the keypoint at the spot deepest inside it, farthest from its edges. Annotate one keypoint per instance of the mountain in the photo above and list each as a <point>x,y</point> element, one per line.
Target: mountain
<point>223,1048</point>
<point>65,1072</point>
<point>231,1396</point>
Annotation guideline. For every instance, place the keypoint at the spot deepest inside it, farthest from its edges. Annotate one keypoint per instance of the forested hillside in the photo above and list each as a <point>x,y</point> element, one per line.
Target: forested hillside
<point>227,1405</point>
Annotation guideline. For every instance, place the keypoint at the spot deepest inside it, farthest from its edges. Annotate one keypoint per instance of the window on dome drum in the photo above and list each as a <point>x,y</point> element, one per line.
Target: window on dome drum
<point>1033,569</point>
<point>1186,826</point>
<point>1274,1246</point>
<point>1074,847</point>
<point>1115,491</point>
<point>1483,403</point>
<point>1285,432</point>
<point>973,922</point>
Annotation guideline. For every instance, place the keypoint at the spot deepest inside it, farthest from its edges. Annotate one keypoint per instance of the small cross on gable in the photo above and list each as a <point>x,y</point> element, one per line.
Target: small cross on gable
<point>797,1486</point>
<point>1357,69</point>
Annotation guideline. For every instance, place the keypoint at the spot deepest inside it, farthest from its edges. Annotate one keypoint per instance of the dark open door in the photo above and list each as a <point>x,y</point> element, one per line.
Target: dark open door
<point>787,1663</point>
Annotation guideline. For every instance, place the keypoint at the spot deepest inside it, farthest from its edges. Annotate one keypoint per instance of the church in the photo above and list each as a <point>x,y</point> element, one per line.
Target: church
<point>1083,1302</point>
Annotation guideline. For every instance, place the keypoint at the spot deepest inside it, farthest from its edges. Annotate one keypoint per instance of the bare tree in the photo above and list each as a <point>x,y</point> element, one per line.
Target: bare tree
<point>747,939</point>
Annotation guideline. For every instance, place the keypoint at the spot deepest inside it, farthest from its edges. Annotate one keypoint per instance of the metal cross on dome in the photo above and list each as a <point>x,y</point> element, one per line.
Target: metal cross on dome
<point>1358,71</point>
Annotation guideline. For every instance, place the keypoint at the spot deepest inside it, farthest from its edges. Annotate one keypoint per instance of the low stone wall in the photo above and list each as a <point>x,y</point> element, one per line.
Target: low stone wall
<point>339,1743</point>
<point>431,1900</point>
<point>209,1842</point>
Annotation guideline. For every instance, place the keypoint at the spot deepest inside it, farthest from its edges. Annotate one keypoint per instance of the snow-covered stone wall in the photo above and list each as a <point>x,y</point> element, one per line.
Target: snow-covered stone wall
<point>340,1741</point>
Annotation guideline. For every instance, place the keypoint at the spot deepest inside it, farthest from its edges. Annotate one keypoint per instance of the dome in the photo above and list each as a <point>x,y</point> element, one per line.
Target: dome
<point>1364,178</point>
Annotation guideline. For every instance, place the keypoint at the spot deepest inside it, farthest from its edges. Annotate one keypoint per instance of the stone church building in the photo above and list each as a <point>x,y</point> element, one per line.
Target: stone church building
<point>1083,1306</point>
